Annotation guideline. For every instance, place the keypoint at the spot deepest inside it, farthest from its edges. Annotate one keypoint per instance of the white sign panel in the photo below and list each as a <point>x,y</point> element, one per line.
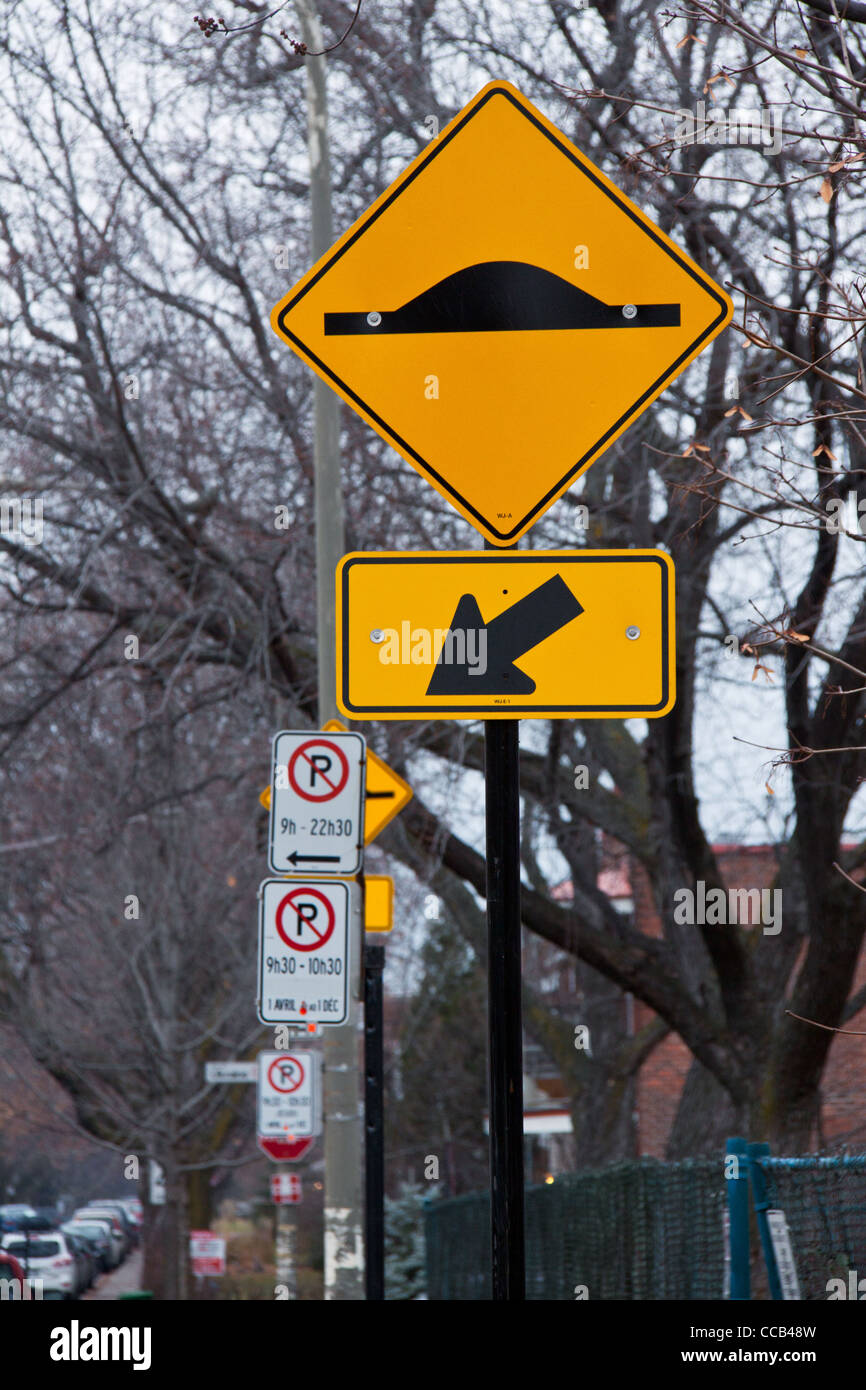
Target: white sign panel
<point>318,783</point>
<point>157,1184</point>
<point>230,1071</point>
<point>289,1095</point>
<point>304,933</point>
<point>781,1238</point>
<point>208,1253</point>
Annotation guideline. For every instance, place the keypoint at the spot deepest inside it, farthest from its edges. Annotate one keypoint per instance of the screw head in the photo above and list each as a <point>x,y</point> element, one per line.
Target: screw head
<point>629,311</point>
<point>374,318</point>
<point>377,635</point>
<point>632,633</point>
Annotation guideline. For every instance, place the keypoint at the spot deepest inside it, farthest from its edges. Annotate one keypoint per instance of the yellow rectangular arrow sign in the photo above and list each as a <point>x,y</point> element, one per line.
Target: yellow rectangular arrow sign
<point>378,902</point>
<point>563,634</point>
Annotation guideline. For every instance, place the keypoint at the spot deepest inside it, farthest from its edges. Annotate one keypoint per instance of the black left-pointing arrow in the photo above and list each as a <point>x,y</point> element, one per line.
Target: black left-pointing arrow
<point>460,668</point>
<point>295,858</point>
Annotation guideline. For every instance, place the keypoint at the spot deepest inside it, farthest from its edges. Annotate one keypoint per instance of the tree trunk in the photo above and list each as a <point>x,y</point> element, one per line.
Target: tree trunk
<point>198,1199</point>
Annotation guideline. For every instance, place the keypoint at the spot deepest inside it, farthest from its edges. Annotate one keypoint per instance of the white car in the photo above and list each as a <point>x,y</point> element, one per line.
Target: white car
<point>47,1256</point>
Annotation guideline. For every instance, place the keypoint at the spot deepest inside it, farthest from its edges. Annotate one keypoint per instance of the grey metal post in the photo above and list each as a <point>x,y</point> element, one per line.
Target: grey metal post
<point>285,1242</point>
<point>344,1135</point>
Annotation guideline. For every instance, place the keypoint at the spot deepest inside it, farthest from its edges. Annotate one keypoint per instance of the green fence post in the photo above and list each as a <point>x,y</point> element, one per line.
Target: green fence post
<point>761,1203</point>
<point>737,1185</point>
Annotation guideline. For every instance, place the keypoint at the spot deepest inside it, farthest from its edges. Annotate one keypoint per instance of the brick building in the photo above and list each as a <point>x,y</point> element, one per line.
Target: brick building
<point>661,1078</point>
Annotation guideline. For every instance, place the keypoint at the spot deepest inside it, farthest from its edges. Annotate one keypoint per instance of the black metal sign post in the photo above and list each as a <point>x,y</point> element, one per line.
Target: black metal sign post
<point>374,1117</point>
<point>505,1027</point>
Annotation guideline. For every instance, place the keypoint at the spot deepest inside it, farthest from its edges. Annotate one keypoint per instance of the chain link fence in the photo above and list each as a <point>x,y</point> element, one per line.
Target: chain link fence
<point>648,1230</point>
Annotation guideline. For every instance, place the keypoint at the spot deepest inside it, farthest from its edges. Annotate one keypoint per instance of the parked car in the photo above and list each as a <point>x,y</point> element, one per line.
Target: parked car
<point>119,1244</point>
<point>98,1234</point>
<point>10,1269</point>
<point>110,1236</point>
<point>136,1210</point>
<point>85,1260</point>
<point>130,1227</point>
<point>13,1213</point>
<point>46,1255</point>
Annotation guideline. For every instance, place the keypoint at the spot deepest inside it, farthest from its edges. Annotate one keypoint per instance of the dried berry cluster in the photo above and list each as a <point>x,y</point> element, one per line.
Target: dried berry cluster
<point>209,26</point>
<point>299,48</point>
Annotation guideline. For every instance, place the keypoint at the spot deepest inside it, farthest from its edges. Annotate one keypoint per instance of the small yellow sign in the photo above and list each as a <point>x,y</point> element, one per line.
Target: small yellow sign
<point>378,902</point>
<point>551,634</point>
<point>386,793</point>
<point>501,313</point>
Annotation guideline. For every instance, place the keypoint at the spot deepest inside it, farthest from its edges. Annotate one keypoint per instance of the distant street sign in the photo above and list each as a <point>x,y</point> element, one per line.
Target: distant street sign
<point>289,1101</point>
<point>542,634</point>
<point>230,1071</point>
<point>304,934</point>
<point>285,1187</point>
<point>156,1174</point>
<point>317,803</point>
<point>501,350</point>
<point>385,795</point>
<point>283,1151</point>
<point>378,902</point>
<point>207,1252</point>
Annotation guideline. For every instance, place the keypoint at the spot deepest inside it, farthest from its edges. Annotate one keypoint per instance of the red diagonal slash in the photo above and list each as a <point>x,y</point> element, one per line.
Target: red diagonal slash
<point>317,770</point>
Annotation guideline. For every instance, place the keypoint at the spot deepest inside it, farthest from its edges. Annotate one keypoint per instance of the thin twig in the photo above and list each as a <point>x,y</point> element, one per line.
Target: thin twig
<point>852,1032</point>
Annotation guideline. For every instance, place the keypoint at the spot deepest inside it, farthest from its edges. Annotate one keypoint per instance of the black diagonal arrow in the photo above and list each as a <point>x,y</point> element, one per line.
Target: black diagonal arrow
<point>520,628</point>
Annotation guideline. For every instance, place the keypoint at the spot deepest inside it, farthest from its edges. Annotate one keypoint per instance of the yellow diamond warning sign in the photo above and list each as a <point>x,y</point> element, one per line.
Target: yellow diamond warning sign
<point>543,634</point>
<point>501,313</point>
<point>386,793</point>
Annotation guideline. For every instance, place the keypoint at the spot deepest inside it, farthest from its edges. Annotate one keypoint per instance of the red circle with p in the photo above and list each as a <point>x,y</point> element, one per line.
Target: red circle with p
<point>281,1075</point>
<point>318,770</point>
<point>305,919</point>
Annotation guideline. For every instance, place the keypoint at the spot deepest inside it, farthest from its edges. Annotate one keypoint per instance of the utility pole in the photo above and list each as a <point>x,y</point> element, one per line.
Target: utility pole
<point>344,1253</point>
<point>285,1242</point>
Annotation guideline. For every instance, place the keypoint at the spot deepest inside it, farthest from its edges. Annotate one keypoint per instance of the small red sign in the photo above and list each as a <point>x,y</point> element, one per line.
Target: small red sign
<point>285,1187</point>
<point>208,1253</point>
<point>285,1150</point>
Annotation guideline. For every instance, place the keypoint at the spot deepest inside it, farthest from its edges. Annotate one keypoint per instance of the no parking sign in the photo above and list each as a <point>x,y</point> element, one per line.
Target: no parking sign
<point>317,803</point>
<point>288,1096</point>
<point>304,933</point>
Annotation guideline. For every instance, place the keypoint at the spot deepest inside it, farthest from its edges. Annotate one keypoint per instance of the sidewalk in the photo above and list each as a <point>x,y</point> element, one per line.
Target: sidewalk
<point>126,1279</point>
